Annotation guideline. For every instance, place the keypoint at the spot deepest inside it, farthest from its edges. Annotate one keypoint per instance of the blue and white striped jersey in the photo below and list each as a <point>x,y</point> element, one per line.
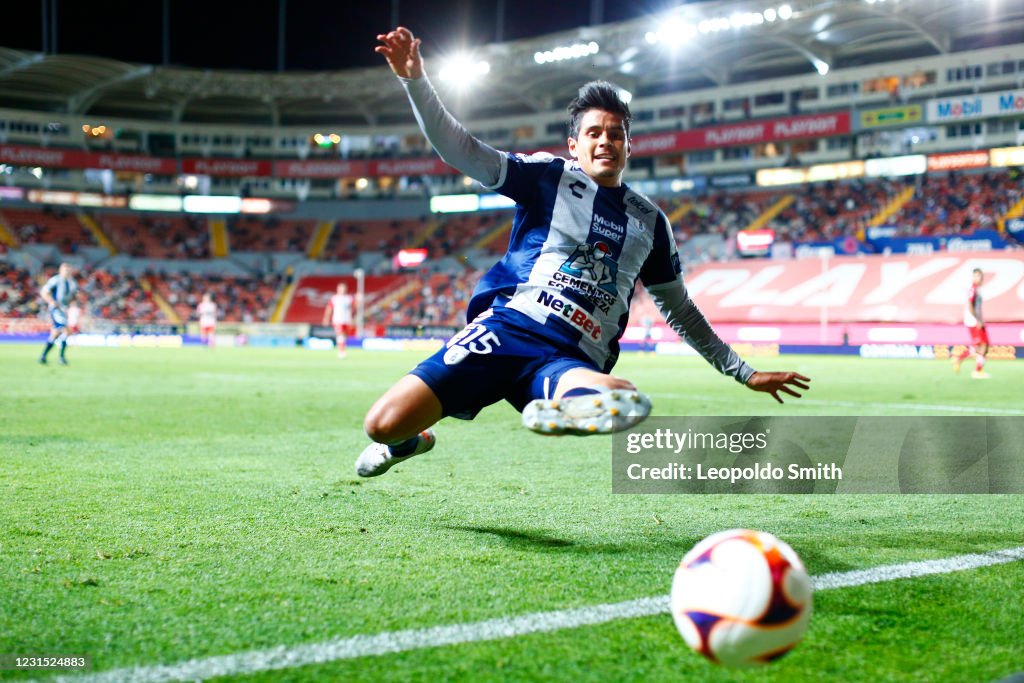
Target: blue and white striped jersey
<point>577,249</point>
<point>575,254</point>
<point>62,290</point>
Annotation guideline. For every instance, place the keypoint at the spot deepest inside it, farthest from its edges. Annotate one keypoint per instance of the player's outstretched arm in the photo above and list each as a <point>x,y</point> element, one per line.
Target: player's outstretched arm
<point>775,382</point>
<point>402,51</point>
<point>453,143</point>
<point>685,318</point>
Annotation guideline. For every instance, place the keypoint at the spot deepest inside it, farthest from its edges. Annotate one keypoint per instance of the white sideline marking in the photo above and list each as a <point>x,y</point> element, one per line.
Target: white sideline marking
<point>854,404</point>
<point>389,642</point>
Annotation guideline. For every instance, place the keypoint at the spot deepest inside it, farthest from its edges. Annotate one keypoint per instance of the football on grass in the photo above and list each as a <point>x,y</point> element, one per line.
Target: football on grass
<point>741,598</point>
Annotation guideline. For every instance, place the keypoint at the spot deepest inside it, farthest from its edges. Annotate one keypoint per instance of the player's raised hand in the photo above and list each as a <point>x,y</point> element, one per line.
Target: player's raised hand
<point>775,382</point>
<point>402,50</point>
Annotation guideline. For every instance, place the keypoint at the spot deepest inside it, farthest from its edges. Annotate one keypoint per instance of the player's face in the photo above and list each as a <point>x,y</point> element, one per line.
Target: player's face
<point>64,270</point>
<point>978,278</point>
<point>602,147</point>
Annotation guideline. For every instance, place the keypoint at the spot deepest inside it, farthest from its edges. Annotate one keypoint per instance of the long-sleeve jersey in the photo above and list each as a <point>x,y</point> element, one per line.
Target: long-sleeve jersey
<point>576,249</point>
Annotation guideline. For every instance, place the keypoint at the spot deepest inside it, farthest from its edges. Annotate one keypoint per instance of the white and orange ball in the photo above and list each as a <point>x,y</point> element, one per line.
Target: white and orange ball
<point>741,598</point>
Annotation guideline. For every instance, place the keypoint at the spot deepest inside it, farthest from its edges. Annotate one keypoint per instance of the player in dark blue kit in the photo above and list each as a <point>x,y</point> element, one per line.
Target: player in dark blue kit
<point>58,292</point>
<point>546,319</point>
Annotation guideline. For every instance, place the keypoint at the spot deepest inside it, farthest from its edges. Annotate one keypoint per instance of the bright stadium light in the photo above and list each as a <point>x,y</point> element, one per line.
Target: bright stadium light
<point>463,69</point>
<point>564,52</point>
<point>821,66</point>
<point>673,32</point>
<point>625,96</point>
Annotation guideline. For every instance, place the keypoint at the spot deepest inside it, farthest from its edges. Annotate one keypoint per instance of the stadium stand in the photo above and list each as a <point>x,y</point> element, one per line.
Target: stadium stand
<point>940,204</point>
<point>163,236</point>
<point>249,233</point>
<point>350,239</point>
<point>239,299</point>
<point>432,299</point>
<point>17,292</point>
<point>957,203</point>
<point>354,204</point>
<point>57,226</point>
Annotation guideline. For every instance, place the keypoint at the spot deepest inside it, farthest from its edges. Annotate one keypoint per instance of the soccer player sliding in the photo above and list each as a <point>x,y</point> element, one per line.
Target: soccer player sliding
<point>546,319</point>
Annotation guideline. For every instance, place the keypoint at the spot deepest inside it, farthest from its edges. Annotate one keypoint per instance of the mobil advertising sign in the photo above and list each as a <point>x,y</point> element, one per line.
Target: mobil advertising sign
<point>965,108</point>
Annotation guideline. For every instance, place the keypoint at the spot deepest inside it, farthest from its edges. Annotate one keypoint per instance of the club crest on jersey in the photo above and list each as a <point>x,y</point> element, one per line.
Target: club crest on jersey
<point>455,355</point>
<point>594,263</point>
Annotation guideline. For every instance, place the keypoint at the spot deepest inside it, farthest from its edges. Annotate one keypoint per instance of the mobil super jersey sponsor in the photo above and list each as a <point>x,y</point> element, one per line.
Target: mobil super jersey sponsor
<point>575,254</point>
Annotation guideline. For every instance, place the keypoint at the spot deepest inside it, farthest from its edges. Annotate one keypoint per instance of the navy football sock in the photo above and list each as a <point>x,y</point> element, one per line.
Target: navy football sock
<point>63,348</point>
<point>46,351</point>
<point>403,448</point>
<point>581,391</point>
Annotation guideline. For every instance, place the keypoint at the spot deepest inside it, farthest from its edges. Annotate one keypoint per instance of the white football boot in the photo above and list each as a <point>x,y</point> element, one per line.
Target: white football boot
<point>376,459</point>
<point>602,413</point>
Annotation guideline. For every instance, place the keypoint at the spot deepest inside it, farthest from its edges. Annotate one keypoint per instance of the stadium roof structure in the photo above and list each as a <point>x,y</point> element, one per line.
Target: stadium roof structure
<point>692,46</point>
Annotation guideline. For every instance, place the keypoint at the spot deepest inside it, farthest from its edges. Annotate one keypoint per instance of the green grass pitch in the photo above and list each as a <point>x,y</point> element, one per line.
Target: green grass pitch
<point>163,505</point>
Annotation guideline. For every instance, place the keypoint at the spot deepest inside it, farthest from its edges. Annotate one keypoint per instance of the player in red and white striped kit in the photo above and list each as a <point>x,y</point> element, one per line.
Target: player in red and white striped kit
<point>339,312</point>
<point>975,323</point>
<point>206,311</point>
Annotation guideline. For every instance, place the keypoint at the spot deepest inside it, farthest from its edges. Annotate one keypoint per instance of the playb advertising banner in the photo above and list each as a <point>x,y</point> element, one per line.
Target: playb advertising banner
<point>906,289</point>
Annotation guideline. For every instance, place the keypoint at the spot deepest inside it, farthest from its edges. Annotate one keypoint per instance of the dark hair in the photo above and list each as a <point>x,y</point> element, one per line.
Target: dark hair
<point>597,95</point>
<point>979,271</point>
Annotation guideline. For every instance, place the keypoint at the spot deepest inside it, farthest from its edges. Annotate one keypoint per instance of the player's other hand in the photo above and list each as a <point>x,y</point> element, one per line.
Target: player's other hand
<point>775,382</point>
<point>402,50</point>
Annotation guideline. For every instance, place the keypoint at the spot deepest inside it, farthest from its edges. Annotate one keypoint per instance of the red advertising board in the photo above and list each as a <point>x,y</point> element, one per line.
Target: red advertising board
<point>752,132</point>
<point>746,133</point>
<point>724,135</point>
<point>227,167</point>
<point>957,160</point>
<point>321,168</point>
<point>135,163</point>
<point>21,155</point>
<point>399,167</point>
<point>906,289</point>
